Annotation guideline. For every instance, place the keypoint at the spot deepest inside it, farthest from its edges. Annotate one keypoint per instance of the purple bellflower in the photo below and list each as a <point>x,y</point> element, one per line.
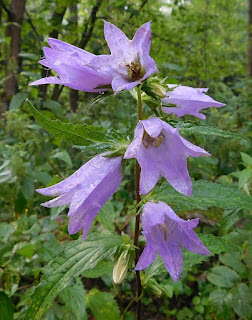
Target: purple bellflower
<point>87,190</point>
<point>127,66</point>
<point>70,63</point>
<point>130,62</point>
<point>165,235</point>
<point>189,101</point>
<point>161,151</point>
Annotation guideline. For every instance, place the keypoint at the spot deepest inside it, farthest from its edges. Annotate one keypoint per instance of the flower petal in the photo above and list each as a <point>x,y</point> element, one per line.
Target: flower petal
<point>189,101</point>
<point>117,41</point>
<point>146,259</point>
<point>56,44</point>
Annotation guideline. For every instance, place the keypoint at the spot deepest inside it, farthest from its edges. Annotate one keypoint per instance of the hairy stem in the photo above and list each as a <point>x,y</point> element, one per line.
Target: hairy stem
<point>138,198</point>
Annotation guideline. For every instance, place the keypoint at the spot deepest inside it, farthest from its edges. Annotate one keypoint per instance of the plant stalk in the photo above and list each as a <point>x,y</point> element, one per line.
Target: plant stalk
<point>138,199</point>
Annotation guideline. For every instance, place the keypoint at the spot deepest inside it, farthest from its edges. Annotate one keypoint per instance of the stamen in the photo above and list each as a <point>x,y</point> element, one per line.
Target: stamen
<point>163,226</point>
<point>158,141</point>
<point>146,138</point>
<point>135,70</point>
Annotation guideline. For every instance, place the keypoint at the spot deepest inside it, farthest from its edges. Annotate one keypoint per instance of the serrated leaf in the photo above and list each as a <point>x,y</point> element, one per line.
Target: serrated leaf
<point>233,260</point>
<point>6,307</point>
<point>74,299</point>
<point>80,135</point>
<point>242,301</point>
<point>76,257</point>
<point>222,301</point>
<point>205,195</point>
<point>188,128</point>
<point>102,305</point>
<point>102,268</point>
<point>222,276</point>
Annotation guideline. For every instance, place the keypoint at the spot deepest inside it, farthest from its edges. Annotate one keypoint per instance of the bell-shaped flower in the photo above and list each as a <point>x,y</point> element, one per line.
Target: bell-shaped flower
<point>86,190</point>
<point>70,63</point>
<point>165,235</point>
<point>161,151</point>
<point>130,60</point>
<point>189,101</point>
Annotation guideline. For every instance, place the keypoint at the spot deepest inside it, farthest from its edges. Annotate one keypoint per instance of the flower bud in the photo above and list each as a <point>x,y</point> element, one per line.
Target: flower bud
<point>153,287</point>
<point>121,268</point>
<point>154,88</point>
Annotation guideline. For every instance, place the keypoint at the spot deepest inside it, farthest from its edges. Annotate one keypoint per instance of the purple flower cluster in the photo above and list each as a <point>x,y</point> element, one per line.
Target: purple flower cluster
<point>127,66</point>
<point>157,146</point>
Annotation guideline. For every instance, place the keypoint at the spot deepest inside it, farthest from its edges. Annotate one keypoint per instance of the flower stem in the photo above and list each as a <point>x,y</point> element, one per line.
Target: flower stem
<point>138,199</point>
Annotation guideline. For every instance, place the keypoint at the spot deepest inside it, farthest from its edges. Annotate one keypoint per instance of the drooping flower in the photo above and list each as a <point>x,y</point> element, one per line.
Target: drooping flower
<point>165,235</point>
<point>87,190</point>
<point>130,60</point>
<point>161,151</point>
<point>189,101</point>
<point>70,63</point>
<point>127,66</point>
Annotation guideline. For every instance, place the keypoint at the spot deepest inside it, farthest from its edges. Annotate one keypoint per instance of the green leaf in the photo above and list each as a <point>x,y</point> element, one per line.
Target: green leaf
<point>81,135</point>
<point>74,300</point>
<point>6,307</point>
<point>102,268</point>
<point>205,195</point>
<point>17,100</point>
<point>75,258</point>
<point>6,229</point>
<point>233,260</point>
<point>28,188</point>
<point>64,156</point>
<point>107,216</point>
<point>25,249</point>
<point>242,301</point>
<point>246,158</point>
<point>102,305</point>
<point>188,128</point>
<point>221,300</point>
<point>29,56</point>
<point>223,277</point>
<point>55,107</point>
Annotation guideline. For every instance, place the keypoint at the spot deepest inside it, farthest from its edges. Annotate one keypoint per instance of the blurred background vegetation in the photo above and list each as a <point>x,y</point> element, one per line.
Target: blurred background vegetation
<point>200,43</point>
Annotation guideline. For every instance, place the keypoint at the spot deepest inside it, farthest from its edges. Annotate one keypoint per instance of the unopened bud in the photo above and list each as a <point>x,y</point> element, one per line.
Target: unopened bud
<point>154,287</point>
<point>121,268</point>
<point>154,88</point>
<point>158,90</point>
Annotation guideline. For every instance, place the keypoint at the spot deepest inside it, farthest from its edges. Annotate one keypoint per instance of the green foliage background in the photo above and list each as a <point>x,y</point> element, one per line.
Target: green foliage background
<point>199,43</point>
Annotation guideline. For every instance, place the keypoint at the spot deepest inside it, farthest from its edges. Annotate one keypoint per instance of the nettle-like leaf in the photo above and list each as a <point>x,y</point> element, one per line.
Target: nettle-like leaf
<point>242,301</point>
<point>188,128</point>
<point>221,301</point>
<point>80,135</point>
<point>205,195</point>
<point>223,277</point>
<point>76,257</point>
<point>102,305</point>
